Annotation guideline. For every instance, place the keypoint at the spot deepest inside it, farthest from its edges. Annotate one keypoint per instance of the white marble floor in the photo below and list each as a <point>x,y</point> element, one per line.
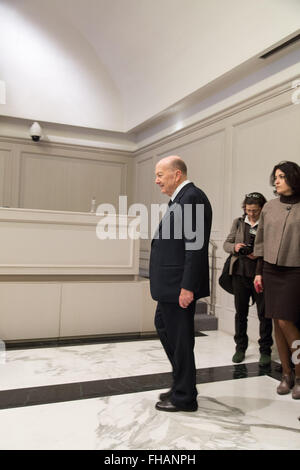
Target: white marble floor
<point>48,366</point>
<point>244,413</point>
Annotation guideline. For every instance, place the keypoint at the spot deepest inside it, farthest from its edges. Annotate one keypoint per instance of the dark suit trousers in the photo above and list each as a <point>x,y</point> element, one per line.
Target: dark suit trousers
<point>175,327</point>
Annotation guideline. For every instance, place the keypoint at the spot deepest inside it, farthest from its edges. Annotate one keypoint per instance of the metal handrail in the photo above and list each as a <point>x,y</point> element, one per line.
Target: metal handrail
<point>212,310</point>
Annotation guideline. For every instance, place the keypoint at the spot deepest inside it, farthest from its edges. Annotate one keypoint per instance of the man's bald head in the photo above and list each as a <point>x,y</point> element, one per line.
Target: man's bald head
<point>170,173</point>
<point>175,163</point>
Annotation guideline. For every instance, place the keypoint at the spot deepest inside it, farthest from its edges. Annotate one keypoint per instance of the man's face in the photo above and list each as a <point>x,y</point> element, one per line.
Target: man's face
<point>167,178</point>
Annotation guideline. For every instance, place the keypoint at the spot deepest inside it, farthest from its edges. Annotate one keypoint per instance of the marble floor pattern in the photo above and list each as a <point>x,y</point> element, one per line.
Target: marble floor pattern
<point>102,396</point>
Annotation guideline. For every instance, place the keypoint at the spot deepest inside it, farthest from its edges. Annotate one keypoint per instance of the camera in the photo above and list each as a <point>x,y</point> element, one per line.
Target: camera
<point>35,132</point>
<point>249,247</point>
<point>246,250</point>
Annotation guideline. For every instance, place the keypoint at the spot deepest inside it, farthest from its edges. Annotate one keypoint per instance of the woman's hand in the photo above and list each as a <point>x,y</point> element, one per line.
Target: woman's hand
<point>258,283</point>
<point>238,246</point>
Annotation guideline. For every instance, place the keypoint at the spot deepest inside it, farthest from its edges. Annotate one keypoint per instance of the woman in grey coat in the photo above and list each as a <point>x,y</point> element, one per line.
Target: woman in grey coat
<point>240,243</point>
<point>278,273</point>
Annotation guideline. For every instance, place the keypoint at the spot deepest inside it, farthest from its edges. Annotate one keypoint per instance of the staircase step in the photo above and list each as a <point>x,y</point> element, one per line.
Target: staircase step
<point>204,322</point>
<point>201,307</point>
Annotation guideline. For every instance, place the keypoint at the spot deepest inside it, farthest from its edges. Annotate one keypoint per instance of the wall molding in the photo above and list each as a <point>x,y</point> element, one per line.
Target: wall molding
<point>132,149</point>
<point>43,145</point>
<point>259,98</point>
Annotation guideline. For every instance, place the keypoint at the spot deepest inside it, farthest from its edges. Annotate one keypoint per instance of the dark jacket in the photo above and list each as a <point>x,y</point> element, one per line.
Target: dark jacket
<point>173,264</point>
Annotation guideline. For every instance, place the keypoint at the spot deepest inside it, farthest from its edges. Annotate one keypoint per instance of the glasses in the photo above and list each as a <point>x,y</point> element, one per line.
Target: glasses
<point>253,211</point>
<point>255,195</point>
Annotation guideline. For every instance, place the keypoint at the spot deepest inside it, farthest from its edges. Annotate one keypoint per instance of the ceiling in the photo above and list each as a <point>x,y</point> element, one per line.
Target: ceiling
<point>116,64</point>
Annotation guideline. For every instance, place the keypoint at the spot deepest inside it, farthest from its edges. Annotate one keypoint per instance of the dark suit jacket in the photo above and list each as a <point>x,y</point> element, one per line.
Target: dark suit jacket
<point>172,265</point>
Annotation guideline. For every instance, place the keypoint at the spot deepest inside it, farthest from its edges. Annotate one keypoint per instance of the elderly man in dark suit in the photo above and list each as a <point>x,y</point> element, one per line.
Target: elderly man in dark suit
<point>179,275</point>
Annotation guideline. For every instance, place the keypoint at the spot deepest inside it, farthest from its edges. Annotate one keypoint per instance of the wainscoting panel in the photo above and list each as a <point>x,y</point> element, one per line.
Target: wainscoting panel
<point>63,183</point>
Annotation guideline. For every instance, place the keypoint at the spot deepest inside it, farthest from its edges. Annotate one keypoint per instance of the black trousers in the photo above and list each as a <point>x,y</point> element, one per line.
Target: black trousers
<point>243,289</point>
<point>175,327</point>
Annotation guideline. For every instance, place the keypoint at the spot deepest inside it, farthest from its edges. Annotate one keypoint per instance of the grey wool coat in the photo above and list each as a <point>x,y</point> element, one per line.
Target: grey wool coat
<point>278,235</point>
<point>236,235</point>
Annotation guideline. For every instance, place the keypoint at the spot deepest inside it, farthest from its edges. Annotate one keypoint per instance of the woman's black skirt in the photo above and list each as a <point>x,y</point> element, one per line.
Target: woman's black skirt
<point>282,292</point>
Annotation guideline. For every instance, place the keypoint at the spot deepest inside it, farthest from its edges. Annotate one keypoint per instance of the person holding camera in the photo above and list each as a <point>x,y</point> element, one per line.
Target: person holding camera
<point>240,243</point>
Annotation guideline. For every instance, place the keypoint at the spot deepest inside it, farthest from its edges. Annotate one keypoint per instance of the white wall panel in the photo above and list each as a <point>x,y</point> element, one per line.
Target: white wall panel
<point>259,143</point>
<point>63,183</point>
<point>94,308</point>
<point>6,163</point>
<point>144,195</point>
<point>205,159</point>
<point>4,155</point>
<point>29,310</point>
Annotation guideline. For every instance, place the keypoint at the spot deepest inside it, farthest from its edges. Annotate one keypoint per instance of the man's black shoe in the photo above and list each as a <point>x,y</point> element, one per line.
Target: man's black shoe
<point>166,405</point>
<point>165,395</point>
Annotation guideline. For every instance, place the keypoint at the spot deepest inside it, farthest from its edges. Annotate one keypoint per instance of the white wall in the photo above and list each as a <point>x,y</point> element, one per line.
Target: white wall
<point>204,41</point>
<point>224,93</point>
<point>228,155</point>
<point>115,64</point>
<point>51,72</point>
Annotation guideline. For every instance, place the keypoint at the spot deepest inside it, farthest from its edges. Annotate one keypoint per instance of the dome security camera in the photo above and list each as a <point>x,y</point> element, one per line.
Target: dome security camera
<point>35,132</point>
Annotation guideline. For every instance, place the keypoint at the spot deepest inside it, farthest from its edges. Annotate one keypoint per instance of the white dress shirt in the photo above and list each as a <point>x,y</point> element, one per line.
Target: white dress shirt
<point>179,188</point>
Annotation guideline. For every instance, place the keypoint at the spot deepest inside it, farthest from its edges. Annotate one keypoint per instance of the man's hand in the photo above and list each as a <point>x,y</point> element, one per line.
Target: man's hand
<point>185,298</point>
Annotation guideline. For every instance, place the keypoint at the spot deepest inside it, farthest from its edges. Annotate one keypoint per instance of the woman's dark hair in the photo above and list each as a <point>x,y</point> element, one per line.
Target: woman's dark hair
<point>254,198</point>
<point>291,171</point>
